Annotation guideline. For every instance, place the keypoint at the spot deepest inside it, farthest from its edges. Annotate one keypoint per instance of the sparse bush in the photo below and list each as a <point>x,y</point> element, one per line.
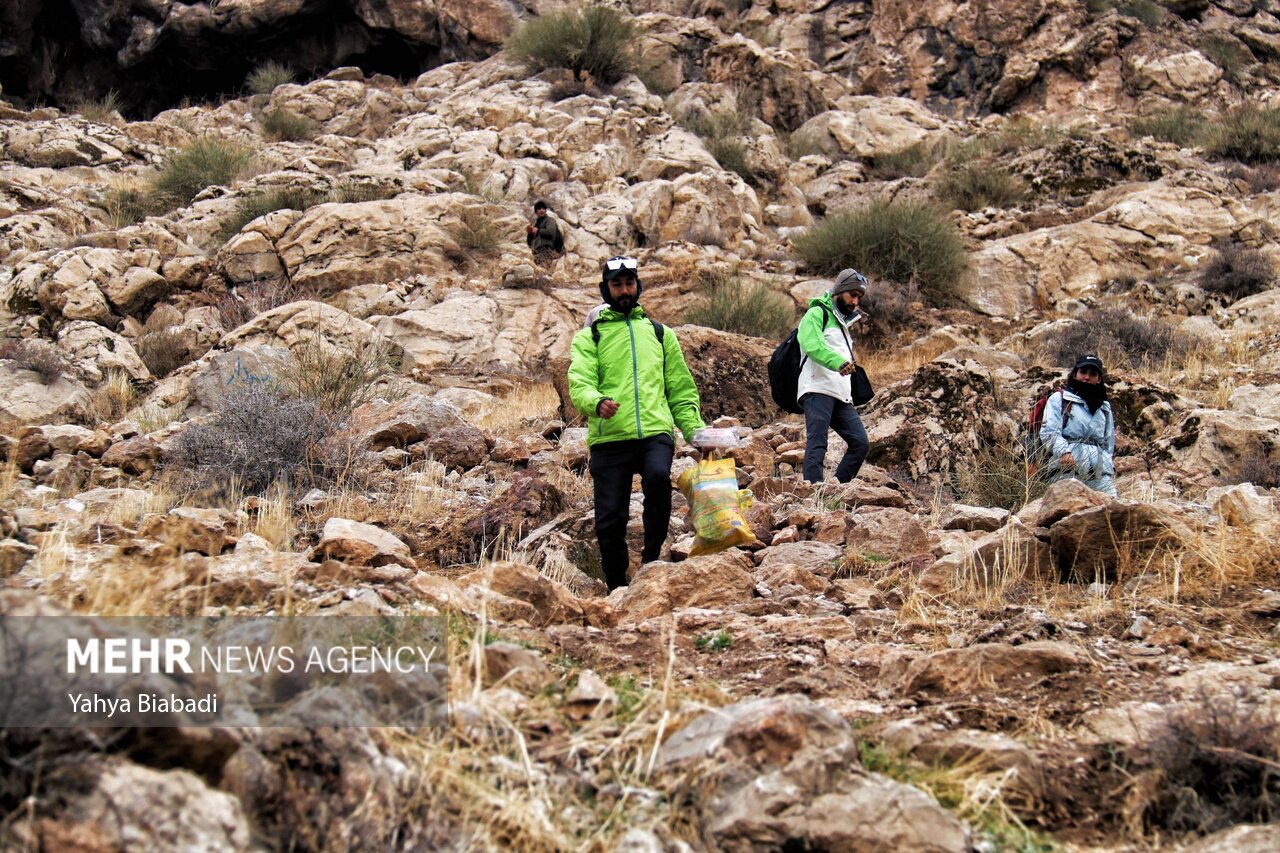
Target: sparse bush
<point>40,356</point>
<point>476,231</point>
<point>285,126</point>
<point>337,380</point>
<point>1147,11</point>
<point>705,235</point>
<point>595,40</point>
<point>976,185</point>
<point>1024,134</point>
<point>244,302</point>
<point>999,476</point>
<point>562,90</point>
<point>102,109</point>
<point>267,76</point>
<point>257,436</point>
<point>1227,53</point>
<point>723,132</point>
<point>251,207</point>
<point>901,241</point>
<point>889,308</point>
<point>1211,765</point>
<point>912,162</point>
<point>1237,271</point>
<point>1181,125</point>
<point>800,144</point>
<point>351,192</point>
<point>161,348</point>
<point>126,205</point>
<point>204,163</point>
<point>1119,336</point>
<point>1249,134</point>
<point>732,305</point>
<point>1254,466</point>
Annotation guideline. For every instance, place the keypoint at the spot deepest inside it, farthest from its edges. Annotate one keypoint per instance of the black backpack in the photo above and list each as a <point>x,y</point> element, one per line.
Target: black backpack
<point>784,370</point>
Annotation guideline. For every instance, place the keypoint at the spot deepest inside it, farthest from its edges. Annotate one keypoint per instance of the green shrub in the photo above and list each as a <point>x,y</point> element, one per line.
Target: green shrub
<point>1228,54</point>
<point>976,185</point>
<point>723,132</point>
<point>595,40</point>
<point>1120,337</point>
<point>267,76</point>
<point>900,241</point>
<point>204,163</point>
<point>260,204</point>
<point>126,205</point>
<point>1181,125</point>
<point>244,302</point>
<point>1249,134</point>
<point>888,308</point>
<point>800,144</point>
<point>285,126</point>
<point>1237,271</point>
<point>732,305</point>
<point>1147,11</point>
<point>912,162</point>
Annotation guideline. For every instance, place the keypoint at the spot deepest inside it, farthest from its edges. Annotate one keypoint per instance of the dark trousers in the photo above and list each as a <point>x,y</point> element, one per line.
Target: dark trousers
<point>820,414</point>
<point>612,466</point>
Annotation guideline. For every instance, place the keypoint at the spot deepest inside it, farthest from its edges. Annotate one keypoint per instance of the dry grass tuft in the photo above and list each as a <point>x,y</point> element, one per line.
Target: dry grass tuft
<point>527,407</point>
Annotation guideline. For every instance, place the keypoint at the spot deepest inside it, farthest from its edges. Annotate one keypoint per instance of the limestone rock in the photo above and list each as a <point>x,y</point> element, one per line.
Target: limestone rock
<point>871,127</point>
<point>997,558</point>
<point>785,90</point>
<point>712,581</point>
<point>888,533</point>
<point>1258,838</point>
<point>730,372</point>
<point>1220,443</point>
<point>136,807</point>
<point>549,603</point>
<point>29,399</point>
<point>1242,506</point>
<point>1060,500</point>
<point>1090,544</point>
<point>136,455</point>
<point>957,671</point>
<point>508,663</point>
<point>411,420</point>
<point>962,517</point>
<point>361,544</point>
<point>190,529</point>
<point>818,558</point>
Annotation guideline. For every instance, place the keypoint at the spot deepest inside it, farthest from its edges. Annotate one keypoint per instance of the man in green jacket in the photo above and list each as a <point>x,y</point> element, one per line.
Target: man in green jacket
<point>628,376</point>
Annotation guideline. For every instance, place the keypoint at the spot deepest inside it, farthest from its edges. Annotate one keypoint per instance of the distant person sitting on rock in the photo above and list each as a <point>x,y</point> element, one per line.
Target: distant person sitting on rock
<point>1079,430</point>
<point>628,375</point>
<point>823,388</point>
<point>543,236</point>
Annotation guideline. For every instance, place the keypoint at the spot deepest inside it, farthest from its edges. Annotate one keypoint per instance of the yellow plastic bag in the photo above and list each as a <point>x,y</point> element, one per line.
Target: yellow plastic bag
<point>716,505</point>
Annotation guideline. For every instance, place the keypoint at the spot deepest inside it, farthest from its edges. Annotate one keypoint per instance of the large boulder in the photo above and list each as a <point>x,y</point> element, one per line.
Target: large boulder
<point>867,127</point>
<point>783,772</point>
<point>548,602</point>
<point>785,91</point>
<point>29,398</point>
<point>361,544</point>
<point>1098,543</point>
<point>731,372</point>
<point>711,581</point>
<point>1222,445</point>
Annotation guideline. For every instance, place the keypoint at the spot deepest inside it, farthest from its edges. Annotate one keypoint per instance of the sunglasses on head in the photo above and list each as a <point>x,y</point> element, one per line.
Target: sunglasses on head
<point>615,264</point>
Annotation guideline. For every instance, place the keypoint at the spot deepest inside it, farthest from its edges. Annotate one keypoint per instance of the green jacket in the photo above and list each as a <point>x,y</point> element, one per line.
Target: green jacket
<point>649,380</point>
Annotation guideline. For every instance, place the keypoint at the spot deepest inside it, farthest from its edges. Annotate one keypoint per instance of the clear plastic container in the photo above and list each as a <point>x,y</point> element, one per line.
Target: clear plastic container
<point>716,438</point>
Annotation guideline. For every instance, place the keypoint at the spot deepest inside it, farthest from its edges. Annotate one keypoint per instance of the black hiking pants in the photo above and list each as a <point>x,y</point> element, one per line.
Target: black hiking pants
<point>612,466</point>
<point>821,413</point>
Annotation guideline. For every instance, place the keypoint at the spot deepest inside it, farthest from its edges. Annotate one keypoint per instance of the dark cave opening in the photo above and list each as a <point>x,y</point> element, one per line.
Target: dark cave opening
<point>60,70</point>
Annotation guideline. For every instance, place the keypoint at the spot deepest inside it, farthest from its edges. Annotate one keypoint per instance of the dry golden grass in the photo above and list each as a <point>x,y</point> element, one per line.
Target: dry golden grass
<point>526,407</point>
<point>274,520</point>
<point>113,398</point>
<point>884,366</point>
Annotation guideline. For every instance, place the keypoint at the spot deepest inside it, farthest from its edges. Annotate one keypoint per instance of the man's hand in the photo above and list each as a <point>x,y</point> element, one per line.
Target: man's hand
<point>531,229</point>
<point>1066,460</point>
<point>607,408</point>
<point>847,368</point>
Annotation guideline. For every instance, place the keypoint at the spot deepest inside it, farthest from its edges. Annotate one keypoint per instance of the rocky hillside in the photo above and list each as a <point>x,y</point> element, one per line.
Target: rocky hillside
<point>279,346</point>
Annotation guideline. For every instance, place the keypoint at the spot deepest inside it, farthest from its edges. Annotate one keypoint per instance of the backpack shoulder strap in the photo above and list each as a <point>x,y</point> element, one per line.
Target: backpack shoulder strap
<point>1066,409</point>
<point>659,330</point>
<point>595,331</point>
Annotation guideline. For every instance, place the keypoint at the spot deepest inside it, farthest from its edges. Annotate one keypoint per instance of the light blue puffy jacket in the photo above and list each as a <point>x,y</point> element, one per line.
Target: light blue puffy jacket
<point>1090,438</point>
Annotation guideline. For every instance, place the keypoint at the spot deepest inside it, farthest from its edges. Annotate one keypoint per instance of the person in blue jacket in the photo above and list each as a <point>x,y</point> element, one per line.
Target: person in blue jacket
<point>1083,444</point>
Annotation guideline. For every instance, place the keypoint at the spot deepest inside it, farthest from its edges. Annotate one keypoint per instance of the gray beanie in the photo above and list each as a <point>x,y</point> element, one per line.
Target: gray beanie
<point>849,281</point>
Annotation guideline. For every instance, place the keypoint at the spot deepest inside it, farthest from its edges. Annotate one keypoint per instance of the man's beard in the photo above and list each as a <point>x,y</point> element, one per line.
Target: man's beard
<point>625,303</point>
